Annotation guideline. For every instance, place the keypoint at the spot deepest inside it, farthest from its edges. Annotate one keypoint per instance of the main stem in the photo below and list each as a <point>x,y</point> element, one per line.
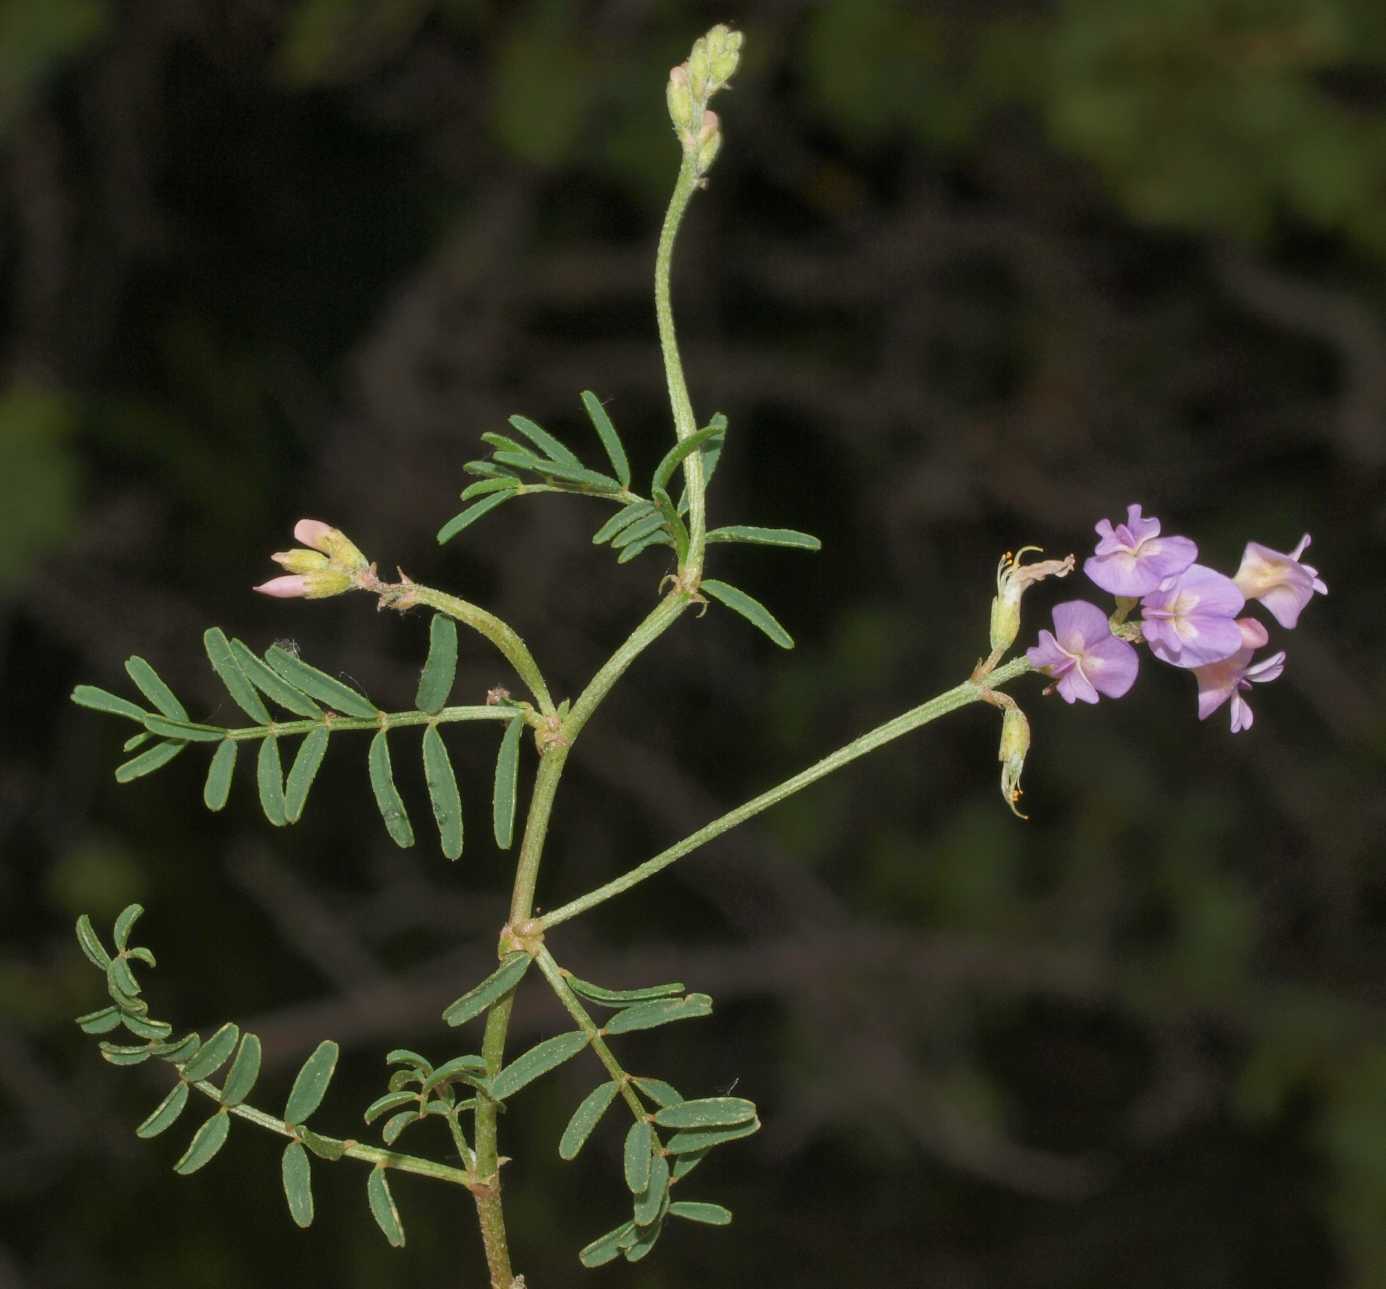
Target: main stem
<point>948,701</point>
<point>684,422</point>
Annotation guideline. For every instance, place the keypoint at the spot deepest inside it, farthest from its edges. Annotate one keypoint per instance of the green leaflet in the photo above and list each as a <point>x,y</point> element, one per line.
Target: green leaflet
<point>672,523</point>
<point>707,1112</point>
<point>328,690</point>
<point>100,1022</point>
<point>499,983</point>
<point>387,797</point>
<point>637,1156</point>
<point>213,1054</point>
<point>403,1056</point>
<point>297,1175</point>
<point>152,686</point>
<point>540,1059</point>
<point>390,1101</point>
<point>118,1054</point>
<point>585,1119</point>
<point>245,1069</point>
<point>661,1093</point>
<point>310,1085</point>
<point>712,454</point>
<point>140,1027</point>
<point>383,1208</point>
<point>136,740</point>
<point>472,513</point>
<point>658,538</point>
<point>121,980</point>
<point>269,778</point>
<point>435,684</point>
<point>665,469</point>
<point>754,536</point>
<point>124,924</point>
<point>751,609</point>
<point>653,522</point>
<point>443,792</point>
<point>328,1148</point>
<point>506,483</point>
<point>265,679</point>
<point>654,1197</point>
<point>209,1139</point>
<point>91,944</point>
<point>606,1248</point>
<point>223,765</point>
<point>166,728</point>
<point>661,1012</point>
<point>647,1233</point>
<point>155,758</point>
<point>465,1069</point>
<point>695,1211</point>
<point>622,997</point>
<point>611,441</point>
<point>165,1114</point>
<point>303,771</point>
<point>507,770</point>
<point>101,700</point>
<point>698,1139</point>
<point>628,514</point>
<point>230,674</point>
<point>397,1123</point>
<point>544,441</point>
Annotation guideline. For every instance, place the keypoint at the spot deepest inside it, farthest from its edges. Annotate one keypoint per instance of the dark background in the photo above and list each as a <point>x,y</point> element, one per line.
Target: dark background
<point>967,276</point>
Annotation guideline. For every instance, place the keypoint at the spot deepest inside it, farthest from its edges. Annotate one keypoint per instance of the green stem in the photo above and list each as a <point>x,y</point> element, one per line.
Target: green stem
<point>948,701</point>
<point>684,423</point>
<point>354,1149</point>
<point>504,637</point>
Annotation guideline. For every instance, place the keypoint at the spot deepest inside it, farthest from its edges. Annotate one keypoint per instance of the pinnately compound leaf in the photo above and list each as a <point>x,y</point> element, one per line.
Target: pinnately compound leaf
<point>297,1175</point>
<point>125,923</point>
<point>213,1054</point>
<point>499,983</point>
<point>708,1112</point>
<point>303,771</point>
<point>208,1139</point>
<point>155,758</point>
<point>269,778</point>
<point>695,1211</point>
<point>245,1069</point>
<point>507,769</point>
<point>230,674</point>
<point>606,1248</point>
<point>443,792</point>
<point>387,798</point>
<point>310,1086</point>
<point>753,536</point>
<point>639,1144</point>
<point>585,1118</point>
<point>540,1059</point>
<point>544,441</point>
<point>435,684</point>
<point>318,684</point>
<point>661,1012</point>
<point>101,700</point>
<point>472,513</point>
<point>219,772</point>
<point>623,997</point>
<point>272,685</point>
<point>383,1207</point>
<point>165,1114</point>
<point>751,609</point>
<point>91,943</point>
<point>611,441</point>
<point>152,686</point>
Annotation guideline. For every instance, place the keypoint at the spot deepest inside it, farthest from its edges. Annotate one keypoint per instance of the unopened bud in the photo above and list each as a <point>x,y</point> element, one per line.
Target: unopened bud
<point>723,54</point>
<point>1015,743</point>
<point>336,545</point>
<point>332,566</point>
<point>708,142</point>
<point>300,561</point>
<point>699,68</point>
<point>680,98</point>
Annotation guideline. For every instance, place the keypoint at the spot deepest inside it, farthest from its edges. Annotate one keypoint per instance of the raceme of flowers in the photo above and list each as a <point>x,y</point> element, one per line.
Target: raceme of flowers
<point>1191,617</point>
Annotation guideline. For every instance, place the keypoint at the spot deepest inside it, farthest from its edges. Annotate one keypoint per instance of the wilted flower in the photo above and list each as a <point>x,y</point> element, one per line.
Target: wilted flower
<point>1191,620</point>
<point>1281,582</point>
<point>1015,743</point>
<point>1083,655</point>
<point>1133,559</point>
<point>1013,579</point>
<point>1220,681</point>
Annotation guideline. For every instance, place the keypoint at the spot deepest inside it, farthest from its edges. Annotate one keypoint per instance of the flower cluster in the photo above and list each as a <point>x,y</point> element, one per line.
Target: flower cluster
<point>332,566</point>
<point>1190,617</point>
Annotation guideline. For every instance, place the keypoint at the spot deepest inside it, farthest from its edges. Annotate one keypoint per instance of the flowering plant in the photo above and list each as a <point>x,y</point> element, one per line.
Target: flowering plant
<point>1188,619</point>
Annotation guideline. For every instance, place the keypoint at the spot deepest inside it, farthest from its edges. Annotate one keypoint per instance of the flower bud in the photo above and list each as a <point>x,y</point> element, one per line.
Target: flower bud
<point>1015,743</point>
<point>332,566</point>
<point>709,141</point>
<point>680,99</point>
<point>698,70</point>
<point>299,560</point>
<point>337,546</point>
<point>723,54</point>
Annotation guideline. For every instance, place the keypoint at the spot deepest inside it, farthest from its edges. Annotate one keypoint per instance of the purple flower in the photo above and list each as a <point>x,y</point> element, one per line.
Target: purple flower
<point>1220,681</point>
<point>1083,655</point>
<point>1279,581</point>
<point>1133,559</point>
<point>1190,620</point>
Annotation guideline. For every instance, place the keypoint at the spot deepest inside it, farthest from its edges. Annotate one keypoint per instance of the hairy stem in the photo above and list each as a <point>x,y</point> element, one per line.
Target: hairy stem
<point>948,701</point>
<point>684,422</point>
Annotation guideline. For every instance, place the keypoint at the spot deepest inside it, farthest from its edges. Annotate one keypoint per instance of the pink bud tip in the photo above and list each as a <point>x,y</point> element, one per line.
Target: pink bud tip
<point>284,588</point>
<point>312,532</point>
